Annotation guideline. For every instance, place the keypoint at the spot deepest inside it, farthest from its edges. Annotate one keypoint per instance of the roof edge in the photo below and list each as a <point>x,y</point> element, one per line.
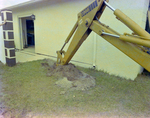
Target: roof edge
<point>22,4</point>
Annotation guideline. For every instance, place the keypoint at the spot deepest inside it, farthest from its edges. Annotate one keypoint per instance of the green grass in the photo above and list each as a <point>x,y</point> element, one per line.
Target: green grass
<point>28,89</point>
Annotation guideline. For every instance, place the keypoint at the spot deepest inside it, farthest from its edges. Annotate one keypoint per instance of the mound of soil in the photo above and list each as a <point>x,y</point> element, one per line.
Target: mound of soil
<point>70,77</point>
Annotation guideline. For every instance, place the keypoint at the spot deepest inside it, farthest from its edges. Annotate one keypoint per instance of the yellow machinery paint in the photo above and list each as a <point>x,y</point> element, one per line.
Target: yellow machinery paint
<point>133,45</point>
<point>148,14</point>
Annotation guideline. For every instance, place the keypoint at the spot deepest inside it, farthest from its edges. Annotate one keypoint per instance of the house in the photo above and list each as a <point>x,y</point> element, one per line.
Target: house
<point>45,24</point>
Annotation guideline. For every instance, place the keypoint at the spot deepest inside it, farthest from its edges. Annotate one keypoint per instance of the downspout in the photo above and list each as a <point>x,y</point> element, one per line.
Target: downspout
<point>94,51</point>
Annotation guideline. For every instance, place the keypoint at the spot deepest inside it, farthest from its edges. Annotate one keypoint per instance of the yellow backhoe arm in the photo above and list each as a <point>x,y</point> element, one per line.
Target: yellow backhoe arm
<point>131,45</point>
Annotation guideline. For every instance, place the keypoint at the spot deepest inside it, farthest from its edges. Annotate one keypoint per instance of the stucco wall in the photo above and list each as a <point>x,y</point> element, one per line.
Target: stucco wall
<point>55,19</point>
<point>109,59</point>
<point>2,50</point>
<point>53,23</point>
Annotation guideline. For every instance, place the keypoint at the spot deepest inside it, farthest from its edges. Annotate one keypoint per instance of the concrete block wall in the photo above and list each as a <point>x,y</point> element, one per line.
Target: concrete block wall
<point>8,37</point>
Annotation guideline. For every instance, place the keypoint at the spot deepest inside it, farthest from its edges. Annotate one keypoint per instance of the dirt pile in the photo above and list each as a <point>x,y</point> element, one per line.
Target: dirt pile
<point>68,76</point>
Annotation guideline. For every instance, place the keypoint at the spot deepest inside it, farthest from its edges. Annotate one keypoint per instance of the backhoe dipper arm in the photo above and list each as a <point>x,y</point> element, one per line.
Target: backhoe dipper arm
<point>81,29</point>
<point>131,45</point>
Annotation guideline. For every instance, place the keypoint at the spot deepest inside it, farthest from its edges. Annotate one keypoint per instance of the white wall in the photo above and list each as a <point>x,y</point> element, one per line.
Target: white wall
<point>2,50</point>
<point>55,19</point>
<point>110,59</point>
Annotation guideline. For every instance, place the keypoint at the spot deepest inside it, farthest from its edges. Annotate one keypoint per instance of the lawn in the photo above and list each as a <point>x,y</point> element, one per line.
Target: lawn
<point>27,89</point>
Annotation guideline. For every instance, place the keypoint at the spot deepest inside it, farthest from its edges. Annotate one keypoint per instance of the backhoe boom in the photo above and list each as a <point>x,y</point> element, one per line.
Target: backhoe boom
<point>130,44</point>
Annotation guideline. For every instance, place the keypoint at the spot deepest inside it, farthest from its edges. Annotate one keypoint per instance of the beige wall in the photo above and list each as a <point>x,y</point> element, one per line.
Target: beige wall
<point>109,59</point>
<point>55,19</point>
<point>2,49</point>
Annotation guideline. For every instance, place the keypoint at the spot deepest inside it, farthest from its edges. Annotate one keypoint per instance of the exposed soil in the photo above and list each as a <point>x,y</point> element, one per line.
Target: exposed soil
<point>68,76</point>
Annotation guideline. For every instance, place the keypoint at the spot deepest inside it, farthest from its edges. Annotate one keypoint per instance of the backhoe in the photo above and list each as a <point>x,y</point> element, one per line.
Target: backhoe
<point>134,45</point>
